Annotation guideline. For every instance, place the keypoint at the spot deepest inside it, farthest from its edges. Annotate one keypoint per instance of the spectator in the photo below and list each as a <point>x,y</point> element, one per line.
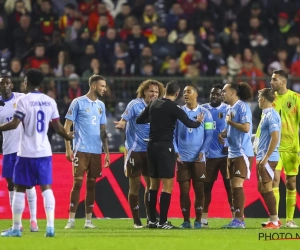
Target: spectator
<point>86,7</point>
<point>67,19</point>
<point>120,52</point>
<point>120,18</point>
<point>190,57</point>
<point>84,61</point>
<point>126,30</point>
<point>106,46</point>
<point>102,28</point>
<point>62,60</point>
<point>74,89</point>
<point>16,69</point>
<point>147,70</point>
<point>223,73</point>
<point>77,47</point>
<point>280,63</point>
<point>249,55</point>
<point>173,17</point>
<point>24,37</point>
<point>172,68</point>
<point>93,20</point>
<point>114,7</point>
<point>215,59</point>
<point>38,59</point>
<point>162,48</point>
<point>120,68</point>
<point>10,6</point>
<point>56,45</point>
<point>4,41</point>
<point>73,31</point>
<point>181,36</point>
<point>204,11</point>
<point>146,57</point>
<point>46,19</point>
<point>250,71</point>
<point>94,69</point>
<point>14,17</point>
<point>149,17</point>
<point>136,42</point>
<point>234,63</point>
<point>296,56</point>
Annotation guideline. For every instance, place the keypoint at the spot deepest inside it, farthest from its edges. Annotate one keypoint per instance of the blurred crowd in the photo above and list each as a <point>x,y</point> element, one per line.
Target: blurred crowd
<point>188,38</point>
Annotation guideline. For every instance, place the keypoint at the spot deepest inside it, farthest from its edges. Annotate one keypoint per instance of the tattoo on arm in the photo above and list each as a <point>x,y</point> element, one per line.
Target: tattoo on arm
<point>103,136</point>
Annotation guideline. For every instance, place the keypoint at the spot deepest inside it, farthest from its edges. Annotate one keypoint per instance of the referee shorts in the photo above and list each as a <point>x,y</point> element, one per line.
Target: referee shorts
<point>161,159</point>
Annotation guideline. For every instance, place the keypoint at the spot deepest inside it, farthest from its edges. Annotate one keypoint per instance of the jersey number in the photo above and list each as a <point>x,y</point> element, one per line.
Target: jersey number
<point>8,119</point>
<point>75,162</point>
<point>40,121</point>
<point>131,161</point>
<point>94,119</point>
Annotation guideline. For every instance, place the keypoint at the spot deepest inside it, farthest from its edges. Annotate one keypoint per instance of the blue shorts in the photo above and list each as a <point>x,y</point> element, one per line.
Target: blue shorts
<point>8,165</point>
<point>33,171</point>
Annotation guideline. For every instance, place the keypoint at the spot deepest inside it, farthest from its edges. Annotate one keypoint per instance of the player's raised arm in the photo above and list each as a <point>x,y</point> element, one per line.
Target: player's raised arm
<point>182,116</point>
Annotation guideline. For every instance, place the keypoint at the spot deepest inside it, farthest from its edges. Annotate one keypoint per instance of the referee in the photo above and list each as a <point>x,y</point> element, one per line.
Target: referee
<point>163,114</point>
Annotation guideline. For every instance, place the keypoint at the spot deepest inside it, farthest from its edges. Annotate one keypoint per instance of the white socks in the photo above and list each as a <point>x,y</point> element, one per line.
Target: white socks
<point>18,205</point>
<point>49,204</point>
<point>31,199</point>
<point>11,196</point>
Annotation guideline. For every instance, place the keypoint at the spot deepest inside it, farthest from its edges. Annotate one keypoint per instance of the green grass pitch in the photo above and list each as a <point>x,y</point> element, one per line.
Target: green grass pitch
<point>119,234</point>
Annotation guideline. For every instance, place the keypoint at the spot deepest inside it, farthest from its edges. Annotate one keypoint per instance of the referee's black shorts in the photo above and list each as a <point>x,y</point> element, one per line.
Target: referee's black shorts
<point>161,159</point>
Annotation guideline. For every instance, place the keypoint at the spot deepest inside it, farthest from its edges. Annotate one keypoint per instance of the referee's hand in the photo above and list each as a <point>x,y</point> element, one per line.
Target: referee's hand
<point>200,117</point>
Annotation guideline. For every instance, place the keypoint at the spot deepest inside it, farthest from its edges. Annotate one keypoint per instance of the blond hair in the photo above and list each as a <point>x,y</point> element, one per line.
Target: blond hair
<point>146,84</point>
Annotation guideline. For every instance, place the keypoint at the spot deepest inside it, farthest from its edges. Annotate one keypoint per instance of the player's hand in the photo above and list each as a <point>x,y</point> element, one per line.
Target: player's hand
<point>178,158</point>
<point>70,136</point>
<point>229,117</point>
<point>120,124</point>
<point>200,157</point>
<point>221,139</point>
<point>263,163</point>
<point>106,161</point>
<point>70,155</point>
<point>200,117</point>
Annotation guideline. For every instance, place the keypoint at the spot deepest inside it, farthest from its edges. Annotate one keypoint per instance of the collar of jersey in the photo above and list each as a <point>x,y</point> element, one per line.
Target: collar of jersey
<point>35,92</point>
<point>266,110</point>
<point>195,109</point>
<point>235,104</point>
<point>12,96</point>
<point>217,108</point>
<point>89,100</point>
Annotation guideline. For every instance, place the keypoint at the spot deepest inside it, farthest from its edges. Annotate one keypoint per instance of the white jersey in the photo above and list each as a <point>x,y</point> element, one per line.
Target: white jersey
<point>11,138</point>
<point>36,111</point>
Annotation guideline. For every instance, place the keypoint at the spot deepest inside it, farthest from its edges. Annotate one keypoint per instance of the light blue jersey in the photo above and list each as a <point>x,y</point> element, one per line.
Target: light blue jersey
<point>192,141</point>
<point>270,122</point>
<point>87,116</point>
<point>135,133</point>
<point>239,143</point>
<point>218,114</point>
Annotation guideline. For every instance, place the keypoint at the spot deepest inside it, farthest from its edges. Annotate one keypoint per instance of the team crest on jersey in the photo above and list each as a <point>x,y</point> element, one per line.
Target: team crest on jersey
<point>87,110</point>
<point>15,105</point>
<point>289,105</point>
<point>70,112</point>
<point>100,110</point>
<point>220,115</point>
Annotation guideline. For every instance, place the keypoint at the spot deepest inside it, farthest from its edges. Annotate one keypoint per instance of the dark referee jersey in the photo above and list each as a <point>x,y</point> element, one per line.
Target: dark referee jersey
<point>163,114</point>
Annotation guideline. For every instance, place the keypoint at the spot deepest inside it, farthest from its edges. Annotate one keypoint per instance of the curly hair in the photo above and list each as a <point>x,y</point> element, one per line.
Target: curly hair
<point>243,90</point>
<point>145,86</point>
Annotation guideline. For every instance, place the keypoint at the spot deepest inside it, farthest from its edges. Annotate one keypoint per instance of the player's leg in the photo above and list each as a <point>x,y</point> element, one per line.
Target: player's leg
<point>264,177</point>
<point>32,204</point>
<point>133,171</point>
<point>227,184</point>
<point>23,177</point>
<point>276,182</point>
<point>198,174</point>
<point>44,180</point>
<point>154,183</point>
<point>94,171</point>
<point>79,166</point>
<point>291,168</point>
<point>166,167</point>
<point>145,173</point>
<point>184,181</point>
<point>239,169</point>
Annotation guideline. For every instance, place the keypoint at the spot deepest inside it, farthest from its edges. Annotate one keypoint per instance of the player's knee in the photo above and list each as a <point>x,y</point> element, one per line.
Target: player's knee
<point>90,184</point>
<point>167,185</point>
<point>208,186</point>
<point>77,184</point>
<point>134,185</point>
<point>291,183</point>
<point>10,185</point>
